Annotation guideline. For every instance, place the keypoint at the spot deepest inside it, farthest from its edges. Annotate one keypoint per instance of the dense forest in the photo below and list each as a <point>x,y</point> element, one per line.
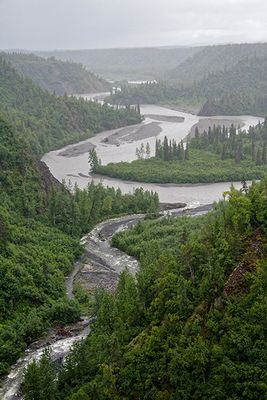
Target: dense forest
<point>56,76</point>
<point>218,80</point>
<point>218,155</point>
<point>40,227</point>
<point>40,221</point>
<point>49,121</point>
<point>212,59</point>
<point>193,323</point>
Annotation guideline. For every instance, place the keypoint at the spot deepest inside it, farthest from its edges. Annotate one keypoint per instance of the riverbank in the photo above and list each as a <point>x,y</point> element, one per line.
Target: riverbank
<point>75,169</point>
<point>99,268</point>
<point>202,167</point>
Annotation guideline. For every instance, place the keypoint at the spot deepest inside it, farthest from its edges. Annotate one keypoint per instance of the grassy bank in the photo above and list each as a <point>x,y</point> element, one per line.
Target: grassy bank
<point>203,167</point>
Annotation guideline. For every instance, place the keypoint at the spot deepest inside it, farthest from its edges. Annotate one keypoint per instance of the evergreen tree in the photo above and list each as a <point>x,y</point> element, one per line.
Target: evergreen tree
<point>165,149</point>
<point>259,157</point>
<point>93,160</point>
<point>264,154</point>
<point>187,151</point>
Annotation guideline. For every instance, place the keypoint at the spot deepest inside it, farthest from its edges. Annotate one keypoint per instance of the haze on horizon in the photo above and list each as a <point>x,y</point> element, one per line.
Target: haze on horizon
<point>84,24</point>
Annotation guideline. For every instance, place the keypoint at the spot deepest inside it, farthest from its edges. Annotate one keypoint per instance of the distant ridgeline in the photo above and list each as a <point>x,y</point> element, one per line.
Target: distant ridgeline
<point>50,121</point>
<point>56,76</point>
<point>130,64</point>
<point>226,80</point>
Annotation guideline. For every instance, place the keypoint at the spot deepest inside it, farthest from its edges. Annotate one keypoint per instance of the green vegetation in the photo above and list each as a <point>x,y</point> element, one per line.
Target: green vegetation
<point>218,155</point>
<point>48,121</point>
<point>193,323</point>
<point>56,76</point>
<point>171,150</point>
<point>213,59</point>
<point>217,80</point>
<point>40,221</point>
<point>131,64</point>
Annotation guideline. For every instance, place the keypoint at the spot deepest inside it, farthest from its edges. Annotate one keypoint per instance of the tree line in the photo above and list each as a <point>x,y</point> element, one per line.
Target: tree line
<point>233,143</point>
<point>169,150</point>
<point>190,325</point>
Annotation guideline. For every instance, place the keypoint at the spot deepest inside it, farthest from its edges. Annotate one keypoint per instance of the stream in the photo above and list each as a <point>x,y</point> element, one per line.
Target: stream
<point>101,264</point>
<point>99,267</point>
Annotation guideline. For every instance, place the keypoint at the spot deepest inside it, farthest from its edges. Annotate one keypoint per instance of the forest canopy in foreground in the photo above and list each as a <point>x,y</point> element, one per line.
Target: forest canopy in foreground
<point>40,227</point>
<point>193,323</point>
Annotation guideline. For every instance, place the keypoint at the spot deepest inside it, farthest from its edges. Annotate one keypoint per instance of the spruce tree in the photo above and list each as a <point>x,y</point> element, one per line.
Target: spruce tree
<point>259,157</point>
<point>264,154</point>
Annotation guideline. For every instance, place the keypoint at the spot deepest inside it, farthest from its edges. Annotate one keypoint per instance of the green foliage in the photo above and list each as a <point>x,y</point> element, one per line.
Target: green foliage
<point>39,220</point>
<point>93,160</point>
<point>56,76</point>
<point>77,214</point>
<point>47,121</point>
<point>193,323</point>
<point>219,155</point>
<point>217,80</point>
<point>39,382</point>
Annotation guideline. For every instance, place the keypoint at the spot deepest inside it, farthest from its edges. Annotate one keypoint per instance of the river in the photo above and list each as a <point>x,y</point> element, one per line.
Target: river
<point>102,264</point>
<point>71,162</point>
<point>101,260</point>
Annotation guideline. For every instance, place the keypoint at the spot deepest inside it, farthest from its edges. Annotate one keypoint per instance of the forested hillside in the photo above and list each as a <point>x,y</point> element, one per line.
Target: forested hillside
<point>48,121</point>
<point>133,63</point>
<point>212,59</point>
<point>40,220</point>
<point>56,76</point>
<point>40,224</point>
<point>193,324</point>
<point>218,80</point>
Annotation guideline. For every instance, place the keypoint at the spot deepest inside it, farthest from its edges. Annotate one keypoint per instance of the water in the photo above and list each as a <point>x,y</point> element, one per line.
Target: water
<point>59,350</point>
<point>76,169</point>
<point>97,243</point>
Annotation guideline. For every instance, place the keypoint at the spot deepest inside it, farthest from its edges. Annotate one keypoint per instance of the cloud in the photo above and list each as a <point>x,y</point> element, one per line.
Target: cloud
<point>51,24</point>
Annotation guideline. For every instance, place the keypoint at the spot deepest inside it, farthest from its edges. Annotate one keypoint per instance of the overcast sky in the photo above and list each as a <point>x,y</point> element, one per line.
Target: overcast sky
<point>77,24</point>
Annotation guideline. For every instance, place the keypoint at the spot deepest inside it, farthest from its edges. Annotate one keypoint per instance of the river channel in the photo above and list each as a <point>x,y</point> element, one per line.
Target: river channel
<point>71,162</point>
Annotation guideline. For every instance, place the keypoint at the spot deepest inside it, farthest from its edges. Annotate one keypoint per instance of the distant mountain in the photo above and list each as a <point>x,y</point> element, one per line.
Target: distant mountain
<point>213,59</point>
<point>55,75</point>
<point>132,64</point>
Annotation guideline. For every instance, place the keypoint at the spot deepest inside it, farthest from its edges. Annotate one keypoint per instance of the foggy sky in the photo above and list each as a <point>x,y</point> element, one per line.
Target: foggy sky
<point>80,24</point>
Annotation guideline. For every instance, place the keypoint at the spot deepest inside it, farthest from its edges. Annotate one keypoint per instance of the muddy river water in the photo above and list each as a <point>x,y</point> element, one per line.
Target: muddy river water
<point>102,264</point>
<point>71,162</point>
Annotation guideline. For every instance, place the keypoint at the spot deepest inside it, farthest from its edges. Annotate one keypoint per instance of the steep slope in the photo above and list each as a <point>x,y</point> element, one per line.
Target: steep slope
<point>212,59</point>
<point>49,121</point>
<point>56,76</point>
<point>34,256</point>
<point>191,325</point>
<point>239,89</point>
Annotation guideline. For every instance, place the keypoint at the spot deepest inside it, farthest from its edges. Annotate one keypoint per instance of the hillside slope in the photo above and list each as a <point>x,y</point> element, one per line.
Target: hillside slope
<point>56,76</point>
<point>49,121</point>
<point>191,325</point>
<point>212,59</point>
<point>237,89</point>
